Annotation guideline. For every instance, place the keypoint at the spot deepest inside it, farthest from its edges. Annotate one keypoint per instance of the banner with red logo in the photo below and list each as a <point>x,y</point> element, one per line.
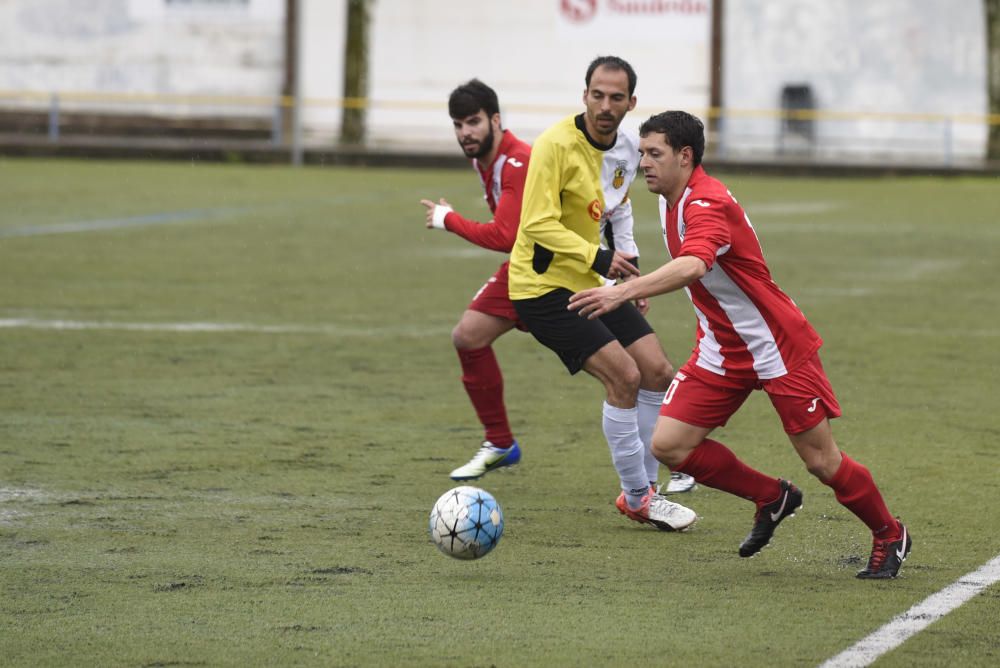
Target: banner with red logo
<point>668,21</point>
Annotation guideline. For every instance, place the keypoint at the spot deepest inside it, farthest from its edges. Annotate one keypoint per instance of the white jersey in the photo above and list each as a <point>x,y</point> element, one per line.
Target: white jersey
<point>619,169</point>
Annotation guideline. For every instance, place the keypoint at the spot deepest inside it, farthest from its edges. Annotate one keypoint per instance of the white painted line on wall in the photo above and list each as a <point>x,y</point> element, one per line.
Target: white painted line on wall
<point>916,619</point>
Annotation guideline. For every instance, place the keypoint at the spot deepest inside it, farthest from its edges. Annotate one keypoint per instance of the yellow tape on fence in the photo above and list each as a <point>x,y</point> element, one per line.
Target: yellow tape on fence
<point>116,99</point>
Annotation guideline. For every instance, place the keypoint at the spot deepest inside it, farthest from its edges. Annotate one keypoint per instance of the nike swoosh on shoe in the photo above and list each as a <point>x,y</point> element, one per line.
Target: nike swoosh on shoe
<point>775,516</point>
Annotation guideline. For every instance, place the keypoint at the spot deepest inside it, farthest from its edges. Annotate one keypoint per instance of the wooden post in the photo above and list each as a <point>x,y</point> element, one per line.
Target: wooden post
<point>352,126</point>
<point>290,74</point>
<point>715,119</point>
<point>993,75</point>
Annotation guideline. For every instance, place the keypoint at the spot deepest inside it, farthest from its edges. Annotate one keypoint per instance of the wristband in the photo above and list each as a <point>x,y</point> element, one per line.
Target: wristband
<point>439,213</point>
<point>602,261</point>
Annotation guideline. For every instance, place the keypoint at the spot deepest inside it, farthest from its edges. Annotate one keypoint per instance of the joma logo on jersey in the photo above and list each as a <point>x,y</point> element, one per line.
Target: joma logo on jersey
<point>619,178</point>
<point>595,209</point>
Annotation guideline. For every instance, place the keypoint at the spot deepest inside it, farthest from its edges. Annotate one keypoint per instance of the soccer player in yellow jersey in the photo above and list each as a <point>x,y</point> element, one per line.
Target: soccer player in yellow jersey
<point>557,252</point>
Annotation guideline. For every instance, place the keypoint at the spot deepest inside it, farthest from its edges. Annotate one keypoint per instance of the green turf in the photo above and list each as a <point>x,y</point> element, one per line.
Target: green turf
<point>261,497</point>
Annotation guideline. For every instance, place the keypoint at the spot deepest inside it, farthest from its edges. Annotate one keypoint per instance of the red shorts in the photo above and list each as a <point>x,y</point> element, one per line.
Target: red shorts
<point>492,299</point>
<point>802,397</point>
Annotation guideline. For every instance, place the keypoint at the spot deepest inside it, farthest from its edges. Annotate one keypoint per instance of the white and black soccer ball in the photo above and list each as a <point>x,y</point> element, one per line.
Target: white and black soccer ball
<point>466,522</point>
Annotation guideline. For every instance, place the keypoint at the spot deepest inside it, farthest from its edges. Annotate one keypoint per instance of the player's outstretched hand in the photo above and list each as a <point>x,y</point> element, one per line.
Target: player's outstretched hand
<point>642,304</point>
<point>595,302</point>
<point>432,209</point>
<point>622,267</point>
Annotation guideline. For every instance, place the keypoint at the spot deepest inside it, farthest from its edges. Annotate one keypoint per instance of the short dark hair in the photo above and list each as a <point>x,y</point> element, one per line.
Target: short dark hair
<point>470,97</point>
<point>681,128</point>
<point>613,63</point>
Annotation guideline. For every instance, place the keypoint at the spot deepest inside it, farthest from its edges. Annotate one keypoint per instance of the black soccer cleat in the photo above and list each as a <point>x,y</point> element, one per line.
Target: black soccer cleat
<point>768,518</point>
<point>887,557</point>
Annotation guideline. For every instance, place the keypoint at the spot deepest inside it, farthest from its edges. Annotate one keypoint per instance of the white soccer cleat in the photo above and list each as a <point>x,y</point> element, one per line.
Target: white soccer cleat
<point>657,510</point>
<point>679,483</point>
<point>669,516</point>
<point>488,458</point>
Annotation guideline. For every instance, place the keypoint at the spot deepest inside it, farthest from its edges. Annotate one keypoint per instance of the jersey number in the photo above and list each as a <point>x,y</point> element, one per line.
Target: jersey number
<point>669,396</point>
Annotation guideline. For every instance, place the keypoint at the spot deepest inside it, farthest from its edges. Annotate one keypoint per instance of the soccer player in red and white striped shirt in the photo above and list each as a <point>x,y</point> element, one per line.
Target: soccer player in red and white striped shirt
<point>501,160</point>
<point>750,336</point>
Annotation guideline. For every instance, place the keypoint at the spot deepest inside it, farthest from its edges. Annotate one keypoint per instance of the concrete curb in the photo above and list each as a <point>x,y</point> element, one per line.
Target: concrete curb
<point>263,152</point>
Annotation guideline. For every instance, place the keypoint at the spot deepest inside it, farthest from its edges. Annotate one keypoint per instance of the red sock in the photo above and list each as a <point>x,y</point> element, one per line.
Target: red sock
<point>856,491</point>
<point>484,383</point>
<point>715,465</point>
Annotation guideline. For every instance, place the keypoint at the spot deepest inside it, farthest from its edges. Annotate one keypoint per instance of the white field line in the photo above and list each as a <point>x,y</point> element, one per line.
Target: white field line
<point>11,516</point>
<point>184,216</point>
<point>21,494</point>
<point>792,208</point>
<point>916,619</point>
<point>165,218</point>
<point>460,253</point>
<point>224,327</point>
<point>942,332</point>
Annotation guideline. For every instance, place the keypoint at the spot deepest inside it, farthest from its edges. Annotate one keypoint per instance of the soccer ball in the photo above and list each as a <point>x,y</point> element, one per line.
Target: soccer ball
<point>466,522</point>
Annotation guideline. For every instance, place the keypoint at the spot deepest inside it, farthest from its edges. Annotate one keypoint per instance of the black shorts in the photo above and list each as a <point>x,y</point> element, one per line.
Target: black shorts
<point>573,337</point>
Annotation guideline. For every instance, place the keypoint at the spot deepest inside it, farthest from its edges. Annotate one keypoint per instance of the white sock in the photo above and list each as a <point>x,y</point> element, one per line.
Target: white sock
<point>622,434</point>
<point>648,407</point>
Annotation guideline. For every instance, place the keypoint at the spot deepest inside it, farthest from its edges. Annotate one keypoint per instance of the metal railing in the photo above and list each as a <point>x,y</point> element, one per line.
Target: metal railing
<point>735,130</point>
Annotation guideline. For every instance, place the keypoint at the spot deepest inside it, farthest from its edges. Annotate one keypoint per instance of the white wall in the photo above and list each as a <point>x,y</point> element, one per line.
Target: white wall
<point>531,51</point>
<point>323,34</point>
<point>142,47</point>
<point>889,56</point>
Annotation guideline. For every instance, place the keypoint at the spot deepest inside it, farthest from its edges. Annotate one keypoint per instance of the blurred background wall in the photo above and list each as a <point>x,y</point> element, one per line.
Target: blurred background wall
<point>887,80</point>
<point>167,47</point>
<point>534,53</point>
<point>893,60</point>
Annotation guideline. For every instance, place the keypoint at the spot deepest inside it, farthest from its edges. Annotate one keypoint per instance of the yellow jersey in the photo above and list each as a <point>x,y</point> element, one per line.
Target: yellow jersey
<point>561,213</point>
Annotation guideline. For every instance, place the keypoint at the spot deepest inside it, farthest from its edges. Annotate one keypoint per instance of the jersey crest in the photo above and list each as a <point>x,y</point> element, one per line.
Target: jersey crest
<point>618,180</point>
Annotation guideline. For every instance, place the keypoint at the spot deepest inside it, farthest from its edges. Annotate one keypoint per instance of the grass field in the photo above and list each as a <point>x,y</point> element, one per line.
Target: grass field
<point>228,399</point>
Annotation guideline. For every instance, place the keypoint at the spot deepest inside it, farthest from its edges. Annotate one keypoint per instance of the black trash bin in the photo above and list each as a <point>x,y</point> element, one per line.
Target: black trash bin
<point>797,132</point>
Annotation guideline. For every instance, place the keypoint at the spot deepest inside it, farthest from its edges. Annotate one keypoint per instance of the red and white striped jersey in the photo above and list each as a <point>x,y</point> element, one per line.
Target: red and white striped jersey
<point>503,183</point>
<point>747,327</point>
